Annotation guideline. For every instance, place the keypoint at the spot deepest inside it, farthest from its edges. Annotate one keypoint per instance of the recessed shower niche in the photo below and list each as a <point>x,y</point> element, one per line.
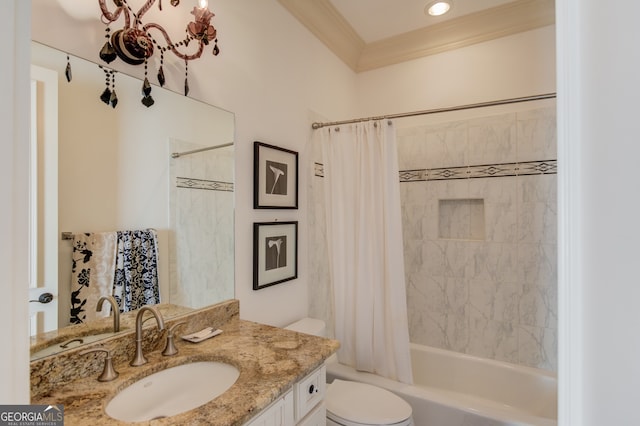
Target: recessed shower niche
<point>461,219</point>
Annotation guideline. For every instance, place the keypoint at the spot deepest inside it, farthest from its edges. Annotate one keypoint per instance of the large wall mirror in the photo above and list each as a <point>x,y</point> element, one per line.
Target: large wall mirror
<point>115,171</point>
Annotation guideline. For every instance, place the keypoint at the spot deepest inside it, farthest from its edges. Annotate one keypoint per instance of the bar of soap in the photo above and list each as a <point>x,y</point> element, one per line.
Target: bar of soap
<point>204,334</point>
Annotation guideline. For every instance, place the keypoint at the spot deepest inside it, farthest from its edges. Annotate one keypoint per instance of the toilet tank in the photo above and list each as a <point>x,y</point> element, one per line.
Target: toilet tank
<point>312,326</point>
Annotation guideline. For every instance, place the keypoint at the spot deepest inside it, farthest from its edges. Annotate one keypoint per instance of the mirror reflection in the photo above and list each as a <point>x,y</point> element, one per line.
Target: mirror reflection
<point>106,171</point>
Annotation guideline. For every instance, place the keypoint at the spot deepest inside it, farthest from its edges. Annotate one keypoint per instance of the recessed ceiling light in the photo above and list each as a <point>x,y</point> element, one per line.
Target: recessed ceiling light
<point>437,8</point>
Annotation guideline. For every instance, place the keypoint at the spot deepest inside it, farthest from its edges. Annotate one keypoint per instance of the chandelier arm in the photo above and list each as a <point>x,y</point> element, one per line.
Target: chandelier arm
<point>171,46</point>
<point>115,15</point>
<point>145,8</point>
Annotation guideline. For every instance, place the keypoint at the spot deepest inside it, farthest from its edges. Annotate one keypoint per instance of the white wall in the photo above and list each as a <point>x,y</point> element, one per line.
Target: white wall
<point>509,67</point>
<point>14,122</point>
<point>598,60</point>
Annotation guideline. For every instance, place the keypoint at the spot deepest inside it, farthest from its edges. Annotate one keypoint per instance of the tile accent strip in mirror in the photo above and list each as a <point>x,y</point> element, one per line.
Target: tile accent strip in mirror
<point>525,168</point>
<point>204,184</point>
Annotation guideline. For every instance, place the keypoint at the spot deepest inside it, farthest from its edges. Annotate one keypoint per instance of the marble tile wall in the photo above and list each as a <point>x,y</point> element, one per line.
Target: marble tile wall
<point>320,293</point>
<point>201,222</point>
<point>495,296</point>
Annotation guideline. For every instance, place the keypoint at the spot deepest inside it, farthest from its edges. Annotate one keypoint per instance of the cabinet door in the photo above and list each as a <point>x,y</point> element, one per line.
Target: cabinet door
<point>279,413</point>
<point>309,392</point>
<point>317,417</point>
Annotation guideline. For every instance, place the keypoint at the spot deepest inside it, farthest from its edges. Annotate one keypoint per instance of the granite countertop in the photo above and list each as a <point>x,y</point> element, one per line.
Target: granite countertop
<point>270,361</point>
<point>97,326</point>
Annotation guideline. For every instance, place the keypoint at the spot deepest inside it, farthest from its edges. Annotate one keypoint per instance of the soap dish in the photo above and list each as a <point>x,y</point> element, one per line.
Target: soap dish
<point>201,335</point>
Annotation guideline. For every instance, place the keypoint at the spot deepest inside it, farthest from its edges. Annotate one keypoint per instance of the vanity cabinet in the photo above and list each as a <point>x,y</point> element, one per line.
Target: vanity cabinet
<point>279,413</point>
<point>303,405</point>
<point>248,346</point>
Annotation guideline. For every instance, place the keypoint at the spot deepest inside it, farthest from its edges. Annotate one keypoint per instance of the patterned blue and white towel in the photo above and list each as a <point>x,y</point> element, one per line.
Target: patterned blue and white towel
<point>135,282</point>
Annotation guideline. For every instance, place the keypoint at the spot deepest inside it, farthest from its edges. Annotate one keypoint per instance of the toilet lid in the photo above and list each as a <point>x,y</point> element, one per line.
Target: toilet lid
<point>365,404</point>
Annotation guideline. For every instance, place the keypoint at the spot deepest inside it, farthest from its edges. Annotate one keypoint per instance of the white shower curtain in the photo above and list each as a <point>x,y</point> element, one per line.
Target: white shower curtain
<point>364,232</point>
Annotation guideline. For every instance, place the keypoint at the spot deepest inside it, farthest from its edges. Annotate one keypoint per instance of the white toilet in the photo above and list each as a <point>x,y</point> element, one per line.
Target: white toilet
<point>353,403</point>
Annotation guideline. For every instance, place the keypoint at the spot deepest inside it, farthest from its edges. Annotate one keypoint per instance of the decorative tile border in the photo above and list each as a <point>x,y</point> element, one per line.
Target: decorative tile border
<point>211,185</point>
<point>545,167</point>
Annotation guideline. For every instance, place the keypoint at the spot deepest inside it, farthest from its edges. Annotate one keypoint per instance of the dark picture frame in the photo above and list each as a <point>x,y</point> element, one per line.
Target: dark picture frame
<point>275,253</point>
<point>275,177</point>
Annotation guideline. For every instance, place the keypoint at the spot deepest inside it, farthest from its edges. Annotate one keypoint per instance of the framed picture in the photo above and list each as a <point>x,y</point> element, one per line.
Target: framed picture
<point>275,253</point>
<point>275,177</point>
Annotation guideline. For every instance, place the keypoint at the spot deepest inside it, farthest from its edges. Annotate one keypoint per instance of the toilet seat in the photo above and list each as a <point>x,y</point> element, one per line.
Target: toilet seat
<point>358,404</point>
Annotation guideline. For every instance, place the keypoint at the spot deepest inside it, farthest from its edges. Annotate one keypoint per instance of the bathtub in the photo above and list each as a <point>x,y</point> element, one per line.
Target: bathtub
<point>452,389</point>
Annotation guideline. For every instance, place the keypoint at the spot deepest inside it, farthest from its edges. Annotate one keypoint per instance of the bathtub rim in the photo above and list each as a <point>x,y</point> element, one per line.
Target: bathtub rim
<point>503,364</point>
<point>466,403</point>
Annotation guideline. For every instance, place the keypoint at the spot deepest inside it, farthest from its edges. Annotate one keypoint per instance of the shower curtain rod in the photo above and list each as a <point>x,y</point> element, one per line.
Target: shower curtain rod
<point>437,110</point>
<point>180,154</point>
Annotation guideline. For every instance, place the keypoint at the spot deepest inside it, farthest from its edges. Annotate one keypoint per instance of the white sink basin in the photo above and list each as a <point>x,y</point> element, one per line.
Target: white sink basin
<point>172,391</point>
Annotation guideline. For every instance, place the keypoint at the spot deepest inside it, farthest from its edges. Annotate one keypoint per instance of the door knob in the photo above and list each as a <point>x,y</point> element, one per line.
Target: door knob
<point>44,298</point>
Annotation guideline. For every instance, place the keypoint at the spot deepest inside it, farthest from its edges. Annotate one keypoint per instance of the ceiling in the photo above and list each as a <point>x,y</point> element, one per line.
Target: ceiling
<point>369,34</point>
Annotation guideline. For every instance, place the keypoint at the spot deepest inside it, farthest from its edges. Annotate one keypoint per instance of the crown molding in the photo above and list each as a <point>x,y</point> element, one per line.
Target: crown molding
<point>328,25</point>
<point>489,24</point>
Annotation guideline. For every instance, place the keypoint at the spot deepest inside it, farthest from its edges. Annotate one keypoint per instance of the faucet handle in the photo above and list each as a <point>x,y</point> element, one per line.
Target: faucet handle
<point>108,373</point>
<point>170,347</point>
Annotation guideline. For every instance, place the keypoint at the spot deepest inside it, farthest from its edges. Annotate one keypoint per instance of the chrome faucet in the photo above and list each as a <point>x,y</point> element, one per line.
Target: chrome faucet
<point>139,358</point>
<point>114,308</point>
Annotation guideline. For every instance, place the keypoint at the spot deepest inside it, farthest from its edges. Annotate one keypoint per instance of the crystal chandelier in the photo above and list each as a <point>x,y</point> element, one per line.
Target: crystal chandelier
<point>136,41</point>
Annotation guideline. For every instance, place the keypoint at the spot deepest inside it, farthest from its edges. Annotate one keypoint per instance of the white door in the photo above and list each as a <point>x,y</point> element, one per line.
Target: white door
<point>43,205</point>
